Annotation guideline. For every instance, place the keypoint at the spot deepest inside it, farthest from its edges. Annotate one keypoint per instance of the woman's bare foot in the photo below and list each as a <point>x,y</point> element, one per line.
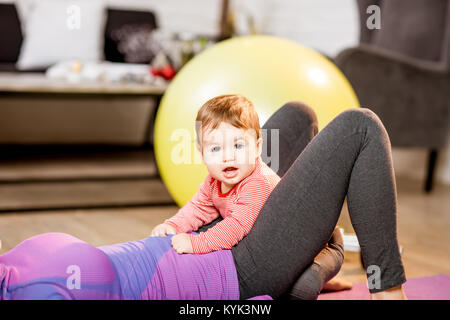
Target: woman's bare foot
<point>337,285</point>
<point>395,293</point>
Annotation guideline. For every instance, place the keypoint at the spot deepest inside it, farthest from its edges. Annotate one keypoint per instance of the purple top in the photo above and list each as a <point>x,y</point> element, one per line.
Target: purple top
<point>150,269</point>
<point>60,266</point>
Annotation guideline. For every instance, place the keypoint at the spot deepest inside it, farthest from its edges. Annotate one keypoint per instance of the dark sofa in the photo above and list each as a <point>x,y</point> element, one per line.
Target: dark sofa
<point>49,116</point>
<point>11,36</point>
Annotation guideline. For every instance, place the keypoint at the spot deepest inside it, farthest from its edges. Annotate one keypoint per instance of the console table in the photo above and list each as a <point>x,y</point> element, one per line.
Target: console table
<point>62,110</point>
<point>11,82</point>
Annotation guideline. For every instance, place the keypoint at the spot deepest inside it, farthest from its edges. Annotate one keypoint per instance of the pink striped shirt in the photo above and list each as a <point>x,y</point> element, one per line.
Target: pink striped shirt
<point>239,208</point>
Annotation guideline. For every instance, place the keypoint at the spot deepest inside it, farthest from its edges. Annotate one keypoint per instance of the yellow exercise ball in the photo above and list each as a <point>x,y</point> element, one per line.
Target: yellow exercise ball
<point>267,70</point>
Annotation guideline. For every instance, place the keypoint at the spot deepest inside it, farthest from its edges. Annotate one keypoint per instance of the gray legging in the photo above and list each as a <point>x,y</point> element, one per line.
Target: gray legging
<point>350,157</point>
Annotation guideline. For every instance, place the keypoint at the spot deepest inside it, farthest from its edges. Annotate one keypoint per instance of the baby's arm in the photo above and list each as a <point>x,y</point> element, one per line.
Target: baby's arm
<point>198,211</point>
<point>228,232</point>
<point>162,230</point>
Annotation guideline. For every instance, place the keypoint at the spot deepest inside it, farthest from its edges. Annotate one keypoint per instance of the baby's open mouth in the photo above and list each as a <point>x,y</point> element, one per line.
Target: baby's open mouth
<point>229,169</point>
<point>230,172</point>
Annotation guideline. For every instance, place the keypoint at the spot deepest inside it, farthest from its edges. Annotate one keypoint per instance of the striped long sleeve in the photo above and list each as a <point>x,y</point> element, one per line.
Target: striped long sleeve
<point>238,220</point>
<point>198,211</point>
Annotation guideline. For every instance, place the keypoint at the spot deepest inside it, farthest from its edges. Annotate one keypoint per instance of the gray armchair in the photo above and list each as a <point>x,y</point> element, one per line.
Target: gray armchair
<point>402,72</point>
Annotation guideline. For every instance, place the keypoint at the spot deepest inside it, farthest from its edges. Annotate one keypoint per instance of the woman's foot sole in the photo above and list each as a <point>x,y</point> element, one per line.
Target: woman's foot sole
<point>395,293</point>
<point>337,285</point>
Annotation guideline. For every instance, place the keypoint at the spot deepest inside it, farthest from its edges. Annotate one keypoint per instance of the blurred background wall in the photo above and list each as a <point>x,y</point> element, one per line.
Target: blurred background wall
<point>325,25</point>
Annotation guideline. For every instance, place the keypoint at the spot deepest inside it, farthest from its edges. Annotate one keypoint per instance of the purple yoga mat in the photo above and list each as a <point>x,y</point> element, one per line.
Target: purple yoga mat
<point>424,288</point>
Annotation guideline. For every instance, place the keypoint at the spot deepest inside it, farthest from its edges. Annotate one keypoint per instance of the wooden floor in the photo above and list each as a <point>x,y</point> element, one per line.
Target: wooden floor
<point>423,226</point>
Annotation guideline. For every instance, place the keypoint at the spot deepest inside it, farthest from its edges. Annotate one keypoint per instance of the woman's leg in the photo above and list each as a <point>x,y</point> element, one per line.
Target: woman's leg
<point>297,125</point>
<point>324,267</point>
<point>350,157</point>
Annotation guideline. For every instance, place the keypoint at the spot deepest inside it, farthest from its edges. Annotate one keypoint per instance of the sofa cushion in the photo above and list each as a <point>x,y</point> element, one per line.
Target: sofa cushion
<point>10,33</point>
<point>127,33</point>
<point>413,27</point>
<point>59,30</point>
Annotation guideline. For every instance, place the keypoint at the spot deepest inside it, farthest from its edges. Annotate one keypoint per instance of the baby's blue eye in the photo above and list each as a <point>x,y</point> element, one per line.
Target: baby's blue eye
<point>215,149</point>
<point>238,145</point>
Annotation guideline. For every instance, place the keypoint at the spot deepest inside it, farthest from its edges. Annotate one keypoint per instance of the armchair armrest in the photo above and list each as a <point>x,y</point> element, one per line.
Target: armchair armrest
<point>410,96</point>
<point>393,57</point>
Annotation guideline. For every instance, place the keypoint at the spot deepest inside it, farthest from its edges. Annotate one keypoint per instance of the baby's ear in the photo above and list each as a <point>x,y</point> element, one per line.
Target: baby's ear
<point>199,147</point>
<point>259,145</point>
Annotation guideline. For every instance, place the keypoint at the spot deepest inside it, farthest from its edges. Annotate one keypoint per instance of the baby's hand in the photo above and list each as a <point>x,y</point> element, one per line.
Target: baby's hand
<point>162,230</point>
<point>181,243</point>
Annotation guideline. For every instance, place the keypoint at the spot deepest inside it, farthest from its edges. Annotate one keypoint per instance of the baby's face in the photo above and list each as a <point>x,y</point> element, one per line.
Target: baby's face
<point>230,153</point>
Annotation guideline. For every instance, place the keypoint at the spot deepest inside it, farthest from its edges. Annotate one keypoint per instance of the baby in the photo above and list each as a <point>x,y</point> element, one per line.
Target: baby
<point>238,183</point>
